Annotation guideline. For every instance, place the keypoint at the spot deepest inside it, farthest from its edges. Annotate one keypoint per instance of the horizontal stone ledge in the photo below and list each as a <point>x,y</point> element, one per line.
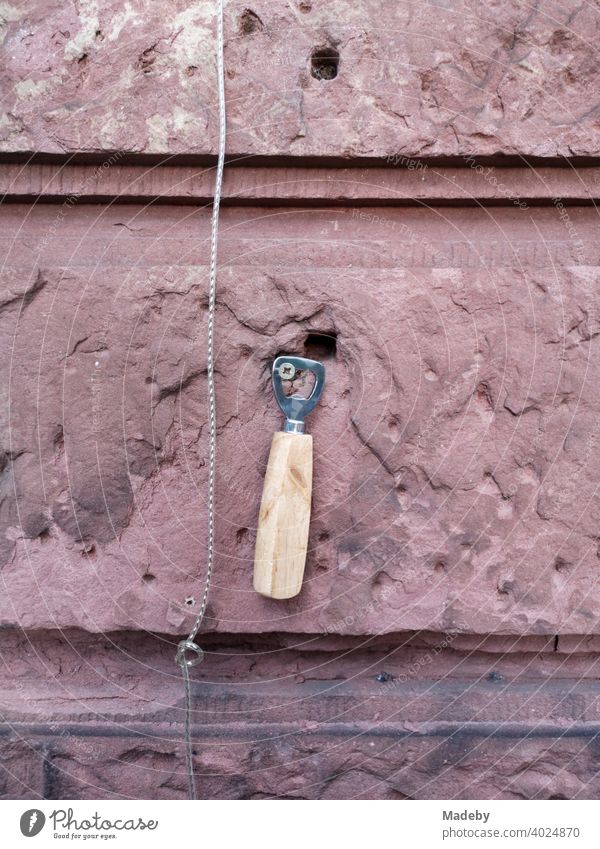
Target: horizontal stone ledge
<point>270,732</point>
<point>557,649</point>
<point>410,702</point>
<point>113,181</point>
<point>285,159</point>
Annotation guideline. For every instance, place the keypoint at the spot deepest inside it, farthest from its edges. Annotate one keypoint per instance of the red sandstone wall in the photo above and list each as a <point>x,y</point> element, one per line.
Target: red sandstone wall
<point>449,618</point>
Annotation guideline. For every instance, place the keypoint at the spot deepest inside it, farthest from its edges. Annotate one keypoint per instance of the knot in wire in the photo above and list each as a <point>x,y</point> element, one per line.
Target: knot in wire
<point>183,658</point>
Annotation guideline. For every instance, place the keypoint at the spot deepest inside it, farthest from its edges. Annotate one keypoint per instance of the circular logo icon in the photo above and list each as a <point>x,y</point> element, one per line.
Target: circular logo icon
<point>32,822</point>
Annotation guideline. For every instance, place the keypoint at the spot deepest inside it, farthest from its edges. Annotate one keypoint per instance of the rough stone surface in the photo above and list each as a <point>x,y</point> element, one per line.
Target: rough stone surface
<point>466,78</point>
<point>446,642</point>
<point>313,765</point>
<point>456,459</point>
<point>425,717</point>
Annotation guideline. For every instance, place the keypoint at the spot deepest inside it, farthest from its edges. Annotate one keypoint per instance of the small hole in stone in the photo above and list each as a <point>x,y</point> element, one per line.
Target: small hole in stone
<point>241,534</point>
<point>250,22</point>
<point>59,438</point>
<point>320,346</point>
<point>323,536</point>
<point>324,63</point>
<point>484,394</point>
<point>305,7</point>
<point>560,565</point>
<point>149,578</point>
<point>440,566</point>
<point>190,601</point>
<point>403,497</point>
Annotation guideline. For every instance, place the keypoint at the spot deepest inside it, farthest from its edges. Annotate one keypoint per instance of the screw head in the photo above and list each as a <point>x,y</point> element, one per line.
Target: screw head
<point>286,371</point>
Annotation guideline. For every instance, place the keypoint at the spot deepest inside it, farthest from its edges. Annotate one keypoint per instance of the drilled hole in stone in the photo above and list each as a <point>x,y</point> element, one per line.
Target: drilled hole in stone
<point>241,534</point>
<point>440,566</point>
<point>320,346</point>
<point>560,565</point>
<point>383,677</point>
<point>149,578</point>
<point>324,63</point>
<point>190,601</point>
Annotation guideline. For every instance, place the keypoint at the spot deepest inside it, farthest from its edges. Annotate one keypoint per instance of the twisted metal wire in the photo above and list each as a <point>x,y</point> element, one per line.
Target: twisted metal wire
<point>182,657</point>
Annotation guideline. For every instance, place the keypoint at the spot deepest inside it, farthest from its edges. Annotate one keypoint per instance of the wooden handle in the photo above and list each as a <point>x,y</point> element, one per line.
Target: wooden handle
<point>282,537</point>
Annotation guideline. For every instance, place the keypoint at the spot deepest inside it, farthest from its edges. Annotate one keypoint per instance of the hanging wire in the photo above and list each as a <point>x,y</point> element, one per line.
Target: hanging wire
<point>188,652</point>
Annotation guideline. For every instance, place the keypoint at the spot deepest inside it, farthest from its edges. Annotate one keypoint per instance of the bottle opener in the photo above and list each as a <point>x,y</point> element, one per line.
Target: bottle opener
<point>284,517</point>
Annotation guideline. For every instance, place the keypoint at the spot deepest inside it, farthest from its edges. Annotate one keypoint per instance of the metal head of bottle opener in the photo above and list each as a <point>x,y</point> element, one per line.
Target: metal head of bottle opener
<point>294,407</point>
